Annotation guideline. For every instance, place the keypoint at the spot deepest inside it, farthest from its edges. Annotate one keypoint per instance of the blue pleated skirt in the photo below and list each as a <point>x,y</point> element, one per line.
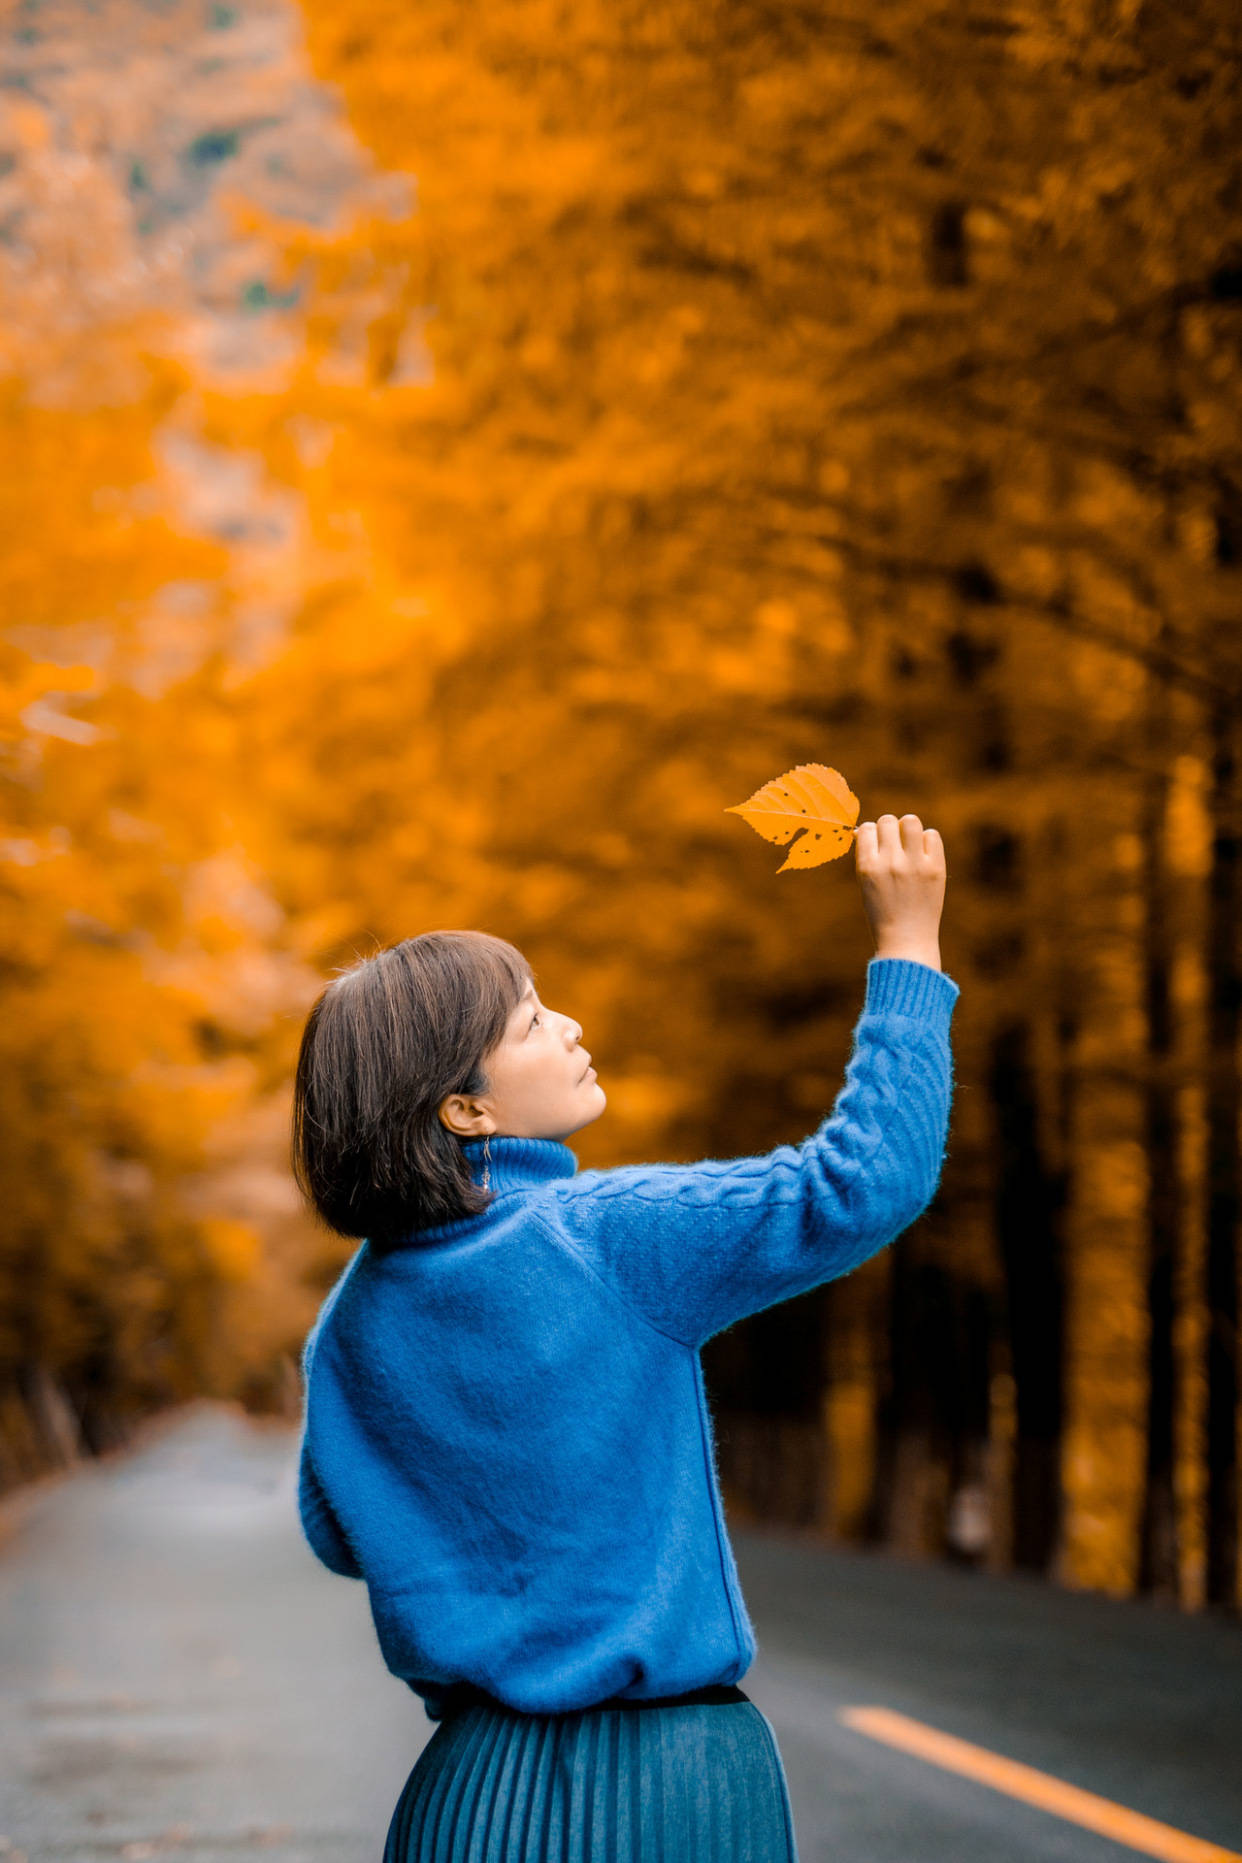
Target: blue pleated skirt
<point>683,1783</point>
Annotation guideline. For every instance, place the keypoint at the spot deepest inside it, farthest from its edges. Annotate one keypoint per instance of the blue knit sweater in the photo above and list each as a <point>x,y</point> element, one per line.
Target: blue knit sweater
<point>506,1433</point>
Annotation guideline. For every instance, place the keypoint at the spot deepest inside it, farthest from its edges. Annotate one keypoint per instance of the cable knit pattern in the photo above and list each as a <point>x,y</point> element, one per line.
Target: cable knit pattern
<point>506,1432</point>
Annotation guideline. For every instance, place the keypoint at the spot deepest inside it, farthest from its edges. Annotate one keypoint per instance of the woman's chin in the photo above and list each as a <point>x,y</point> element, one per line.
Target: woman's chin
<point>583,1118</point>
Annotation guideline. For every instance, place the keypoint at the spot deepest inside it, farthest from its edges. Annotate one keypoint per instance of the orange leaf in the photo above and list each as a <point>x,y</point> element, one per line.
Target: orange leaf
<point>810,796</point>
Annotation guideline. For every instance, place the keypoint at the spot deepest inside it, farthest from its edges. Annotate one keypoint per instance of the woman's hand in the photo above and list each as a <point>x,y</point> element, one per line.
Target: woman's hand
<point>901,870</point>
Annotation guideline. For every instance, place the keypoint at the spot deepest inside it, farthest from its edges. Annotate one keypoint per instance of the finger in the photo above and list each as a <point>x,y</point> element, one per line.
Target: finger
<point>888,833</point>
<point>864,844</point>
<point>911,830</point>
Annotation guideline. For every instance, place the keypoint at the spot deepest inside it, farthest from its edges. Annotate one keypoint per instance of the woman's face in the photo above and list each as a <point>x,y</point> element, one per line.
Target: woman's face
<point>542,1082</point>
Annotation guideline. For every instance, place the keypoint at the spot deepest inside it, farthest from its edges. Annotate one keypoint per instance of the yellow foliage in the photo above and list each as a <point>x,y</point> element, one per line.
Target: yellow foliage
<point>234,1247</point>
<point>719,383</point>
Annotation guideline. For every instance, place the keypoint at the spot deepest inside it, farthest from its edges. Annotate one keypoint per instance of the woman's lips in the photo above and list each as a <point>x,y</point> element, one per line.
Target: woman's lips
<point>586,1076</point>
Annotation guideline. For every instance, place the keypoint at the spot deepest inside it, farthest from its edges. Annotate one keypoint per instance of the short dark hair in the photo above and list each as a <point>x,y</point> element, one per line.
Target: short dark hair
<point>383,1044</point>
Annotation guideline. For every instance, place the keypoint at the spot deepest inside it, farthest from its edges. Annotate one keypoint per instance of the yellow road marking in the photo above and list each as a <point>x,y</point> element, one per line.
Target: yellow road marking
<point>1035,1788</point>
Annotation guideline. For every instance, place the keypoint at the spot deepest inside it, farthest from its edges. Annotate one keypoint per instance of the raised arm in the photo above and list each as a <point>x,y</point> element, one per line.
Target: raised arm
<point>696,1247</point>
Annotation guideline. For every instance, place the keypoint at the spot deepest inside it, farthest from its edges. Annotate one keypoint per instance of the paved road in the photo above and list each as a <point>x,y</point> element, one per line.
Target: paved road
<point>180,1679</point>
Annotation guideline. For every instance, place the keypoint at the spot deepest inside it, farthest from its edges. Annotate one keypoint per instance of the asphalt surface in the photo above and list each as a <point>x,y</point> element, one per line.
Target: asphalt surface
<point>180,1679</point>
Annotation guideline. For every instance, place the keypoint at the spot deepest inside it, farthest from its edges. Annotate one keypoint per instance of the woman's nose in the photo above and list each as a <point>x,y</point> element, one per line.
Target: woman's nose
<point>577,1032</point>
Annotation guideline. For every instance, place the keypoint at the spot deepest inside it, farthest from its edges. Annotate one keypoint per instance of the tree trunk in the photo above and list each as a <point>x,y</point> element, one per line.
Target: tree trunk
<point>1158,1564</point>
<point>970,1526</point>
<point>1224,907</point>
<point>931,1416</point>
<point>892,1376</point>
<point>1029,1202</point>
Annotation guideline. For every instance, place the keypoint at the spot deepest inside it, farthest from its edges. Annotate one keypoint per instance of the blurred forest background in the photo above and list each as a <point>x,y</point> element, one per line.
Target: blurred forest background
<point>449,455</point>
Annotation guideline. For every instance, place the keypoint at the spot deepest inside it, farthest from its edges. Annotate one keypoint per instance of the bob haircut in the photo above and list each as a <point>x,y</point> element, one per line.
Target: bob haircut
<point>382,1046</point>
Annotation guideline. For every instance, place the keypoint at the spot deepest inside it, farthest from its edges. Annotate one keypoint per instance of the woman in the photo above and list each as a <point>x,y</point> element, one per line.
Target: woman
<point>506,1432</point>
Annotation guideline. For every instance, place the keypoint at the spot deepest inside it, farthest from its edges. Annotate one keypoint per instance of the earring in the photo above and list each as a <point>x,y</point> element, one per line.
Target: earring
<point>487,1162</point>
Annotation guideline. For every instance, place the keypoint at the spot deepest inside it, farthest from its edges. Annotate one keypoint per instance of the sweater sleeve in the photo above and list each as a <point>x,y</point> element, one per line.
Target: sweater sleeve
<point>324,1534</point>
<point>323,1530</point>
<point>696,1247</point>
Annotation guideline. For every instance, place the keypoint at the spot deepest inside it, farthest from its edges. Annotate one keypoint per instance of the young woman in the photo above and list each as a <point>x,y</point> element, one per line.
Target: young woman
<point>506,1434</point>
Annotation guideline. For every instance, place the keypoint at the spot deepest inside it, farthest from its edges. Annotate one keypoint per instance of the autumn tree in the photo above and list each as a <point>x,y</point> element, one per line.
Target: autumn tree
<point>853,389</point>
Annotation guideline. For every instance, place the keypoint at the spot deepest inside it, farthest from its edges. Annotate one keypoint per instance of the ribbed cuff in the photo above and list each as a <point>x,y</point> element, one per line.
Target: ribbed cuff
<point>898,986</point>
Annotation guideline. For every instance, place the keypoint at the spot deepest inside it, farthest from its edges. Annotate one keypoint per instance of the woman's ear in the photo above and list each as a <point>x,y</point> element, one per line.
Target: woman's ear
<point>465,1118</point>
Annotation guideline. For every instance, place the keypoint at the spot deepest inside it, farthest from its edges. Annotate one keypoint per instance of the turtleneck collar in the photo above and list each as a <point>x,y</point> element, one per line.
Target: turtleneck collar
<point>519,1163</point>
